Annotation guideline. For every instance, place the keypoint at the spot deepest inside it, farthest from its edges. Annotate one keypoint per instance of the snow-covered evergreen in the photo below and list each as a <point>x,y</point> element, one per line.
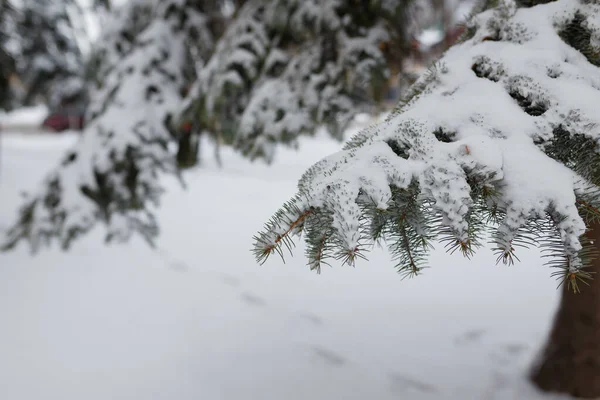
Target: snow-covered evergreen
<point>286,67</point>
<point>111,174</point>
<point>502,134</point>
<point>280,69</point>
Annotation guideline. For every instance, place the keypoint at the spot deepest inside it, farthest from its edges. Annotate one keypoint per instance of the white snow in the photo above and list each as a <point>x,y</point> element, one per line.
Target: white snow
<point>29,117</point>
<point>429,37</point>
<point>198,319</point>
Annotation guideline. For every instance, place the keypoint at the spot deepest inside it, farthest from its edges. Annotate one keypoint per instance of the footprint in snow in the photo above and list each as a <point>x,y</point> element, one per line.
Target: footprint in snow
<point>515,349</point>
<point>330,357</point>
<point>230,280</point>
<point>253,300</point>
<point>312,318</point>
<point>468,337</point>
<point>508,353</point>
<point>402,383</point>
<point>178,266</point>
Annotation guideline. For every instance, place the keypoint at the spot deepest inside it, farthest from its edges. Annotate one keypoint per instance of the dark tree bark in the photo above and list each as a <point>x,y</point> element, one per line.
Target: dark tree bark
<point>570,362</point>
<point>187,152</point>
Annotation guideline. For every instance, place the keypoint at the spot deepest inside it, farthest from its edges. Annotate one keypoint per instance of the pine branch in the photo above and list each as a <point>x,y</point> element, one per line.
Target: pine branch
<point>318,237</point>
<point>570,267</point>
<point>449,176</point>
<point>588,201</point>
<point>514,232</point>
<point>569,270</point>
<point>318,258</point>
<point>409,230</point>
<point>287,221</point>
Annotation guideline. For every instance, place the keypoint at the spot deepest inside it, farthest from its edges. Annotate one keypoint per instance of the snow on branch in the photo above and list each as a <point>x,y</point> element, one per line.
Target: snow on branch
<point>286,67</point>
<point>501,135</point>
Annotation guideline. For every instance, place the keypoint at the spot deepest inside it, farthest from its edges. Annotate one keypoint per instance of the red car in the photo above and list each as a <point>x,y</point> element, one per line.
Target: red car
<point>62,120</point>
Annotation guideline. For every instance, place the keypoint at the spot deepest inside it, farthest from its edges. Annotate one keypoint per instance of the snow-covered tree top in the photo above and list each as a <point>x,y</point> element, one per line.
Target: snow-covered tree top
<point>502,133</point>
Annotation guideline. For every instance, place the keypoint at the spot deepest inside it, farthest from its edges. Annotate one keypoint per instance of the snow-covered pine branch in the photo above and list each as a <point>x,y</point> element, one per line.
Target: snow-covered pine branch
<point>502,135</point>
<point>286,67</point>
<point>111,174</point>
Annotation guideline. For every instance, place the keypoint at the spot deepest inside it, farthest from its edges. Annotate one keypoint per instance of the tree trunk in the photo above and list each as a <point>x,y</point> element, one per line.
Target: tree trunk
<point>570,362</point>
<point>187,152</point>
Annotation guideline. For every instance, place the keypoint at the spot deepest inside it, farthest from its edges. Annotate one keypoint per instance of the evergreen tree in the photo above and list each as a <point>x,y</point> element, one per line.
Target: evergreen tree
<point>111,174</point>
<point>285,67</point>
<point>322,60</point>
<point>501,137</point>
<point>49,60</point>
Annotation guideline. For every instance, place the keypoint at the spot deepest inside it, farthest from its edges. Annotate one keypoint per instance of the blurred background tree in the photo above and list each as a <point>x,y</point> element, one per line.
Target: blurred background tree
<point>7,62</point>
<point>253,74</point>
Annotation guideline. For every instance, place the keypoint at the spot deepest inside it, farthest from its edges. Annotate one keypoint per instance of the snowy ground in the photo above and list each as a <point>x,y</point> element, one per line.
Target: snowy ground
<point>28,119</point>
<point>198,319</point>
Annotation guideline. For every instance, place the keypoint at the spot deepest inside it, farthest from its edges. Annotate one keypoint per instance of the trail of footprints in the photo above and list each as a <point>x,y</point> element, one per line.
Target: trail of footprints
<point>234,282</point>
<point>320,353</point>
<point>504,355</point>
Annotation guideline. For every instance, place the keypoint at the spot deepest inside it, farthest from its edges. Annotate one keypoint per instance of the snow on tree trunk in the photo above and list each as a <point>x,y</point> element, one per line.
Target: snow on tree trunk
<point>570,361</point>
<point>112,173</point>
